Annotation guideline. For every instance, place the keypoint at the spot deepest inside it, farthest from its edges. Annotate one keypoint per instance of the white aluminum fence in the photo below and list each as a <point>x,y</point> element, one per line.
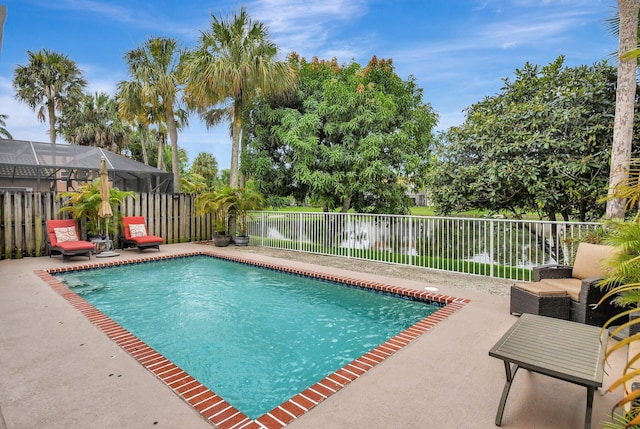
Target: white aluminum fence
<point>490,247</point>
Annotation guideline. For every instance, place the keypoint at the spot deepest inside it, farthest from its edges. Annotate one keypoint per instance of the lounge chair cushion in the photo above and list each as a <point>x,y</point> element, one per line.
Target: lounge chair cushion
<point>147,239</point>
<point>69,246</point>
<point>137,230</point>
<point>571,285</point>
<point>66,234</point>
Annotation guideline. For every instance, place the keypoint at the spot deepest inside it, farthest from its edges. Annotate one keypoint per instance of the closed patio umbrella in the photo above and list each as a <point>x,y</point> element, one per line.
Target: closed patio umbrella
<point>105,210</point>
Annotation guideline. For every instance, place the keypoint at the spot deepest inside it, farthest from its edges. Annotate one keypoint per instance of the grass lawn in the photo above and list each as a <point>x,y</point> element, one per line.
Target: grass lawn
<point>415,211</point>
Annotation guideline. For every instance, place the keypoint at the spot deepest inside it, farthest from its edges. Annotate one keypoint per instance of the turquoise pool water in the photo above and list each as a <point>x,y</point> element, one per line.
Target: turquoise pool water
<point>254,336</point>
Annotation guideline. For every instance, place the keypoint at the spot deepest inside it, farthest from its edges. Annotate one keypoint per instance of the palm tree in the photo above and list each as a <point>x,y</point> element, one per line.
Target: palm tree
<point>239,201</point>
<point>234,62</point>
<point>4,133</point>
<point>133,110</point>
<point>206,165</point>
<point>48,82</point>
<point>155,67</point>
<point>625,100</point>
<point>142,115</point>
<point>94,122</point>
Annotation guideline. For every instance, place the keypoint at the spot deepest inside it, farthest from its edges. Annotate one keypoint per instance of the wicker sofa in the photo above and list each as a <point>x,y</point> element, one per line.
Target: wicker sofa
<point>580,282</point>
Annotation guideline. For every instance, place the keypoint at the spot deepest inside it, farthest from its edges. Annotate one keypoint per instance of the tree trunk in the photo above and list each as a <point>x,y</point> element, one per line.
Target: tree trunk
<point>173,135</point>
<point>242,182</point>
<point>346,204</point>
<point>625,100</point>
<point>235,143</point>
<point>144,142</point>
<point>161,152</point>
<point>51,108</point>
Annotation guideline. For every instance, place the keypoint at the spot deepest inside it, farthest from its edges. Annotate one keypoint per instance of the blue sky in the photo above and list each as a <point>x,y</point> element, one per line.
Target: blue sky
<point>458,50</point>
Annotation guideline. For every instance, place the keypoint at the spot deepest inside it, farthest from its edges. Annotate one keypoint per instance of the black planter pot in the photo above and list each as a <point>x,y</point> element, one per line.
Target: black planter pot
<point>241,240</point>
<point>221,240</point>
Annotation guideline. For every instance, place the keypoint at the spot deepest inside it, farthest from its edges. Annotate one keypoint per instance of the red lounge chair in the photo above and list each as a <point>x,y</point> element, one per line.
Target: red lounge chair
<point>62,238</point>
<point>135,234</point>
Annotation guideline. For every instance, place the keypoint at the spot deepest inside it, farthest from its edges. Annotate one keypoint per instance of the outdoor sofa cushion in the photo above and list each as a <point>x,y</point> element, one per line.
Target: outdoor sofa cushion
<point>589,260</point>
<point>570,285</point>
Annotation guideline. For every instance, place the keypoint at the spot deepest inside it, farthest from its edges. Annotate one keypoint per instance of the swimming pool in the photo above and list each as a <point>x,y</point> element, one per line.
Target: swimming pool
<point>255,336</point>
<point>92,288</point>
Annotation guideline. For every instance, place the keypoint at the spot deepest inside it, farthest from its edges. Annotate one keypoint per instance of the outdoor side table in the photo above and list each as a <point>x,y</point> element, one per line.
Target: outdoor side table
<point>100,244</point>
<point>558,348</point>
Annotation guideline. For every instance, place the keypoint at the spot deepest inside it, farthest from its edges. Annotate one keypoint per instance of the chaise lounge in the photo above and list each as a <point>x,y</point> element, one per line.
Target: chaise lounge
<point>62,238</point>
<point>547,295</point>
<point>135,234</point>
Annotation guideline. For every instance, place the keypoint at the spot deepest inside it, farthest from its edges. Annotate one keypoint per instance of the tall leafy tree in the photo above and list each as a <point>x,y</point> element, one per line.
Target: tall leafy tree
<point>47,83</point>
<point>542,144</point>
<point>155,65</point>
<point>4,133</point>
<point>352,137</point>
<point>625,103</point>
<point>232,64</point>
<point>94,122</point>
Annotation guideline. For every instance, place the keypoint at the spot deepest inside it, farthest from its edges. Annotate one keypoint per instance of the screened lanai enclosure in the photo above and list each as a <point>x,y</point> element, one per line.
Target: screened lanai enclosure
<point>43,167</point>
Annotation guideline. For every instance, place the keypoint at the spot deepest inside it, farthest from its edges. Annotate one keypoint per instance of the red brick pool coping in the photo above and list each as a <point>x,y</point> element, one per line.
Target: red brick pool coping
<point>211,406</point>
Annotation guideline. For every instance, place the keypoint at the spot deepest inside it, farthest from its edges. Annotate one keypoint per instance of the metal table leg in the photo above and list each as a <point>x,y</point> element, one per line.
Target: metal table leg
<point>510,372</point>
<point>587,417</point>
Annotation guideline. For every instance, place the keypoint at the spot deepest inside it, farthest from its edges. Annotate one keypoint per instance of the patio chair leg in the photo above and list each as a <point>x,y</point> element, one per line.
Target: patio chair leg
<point>587,417</point>
<point>510,373</point>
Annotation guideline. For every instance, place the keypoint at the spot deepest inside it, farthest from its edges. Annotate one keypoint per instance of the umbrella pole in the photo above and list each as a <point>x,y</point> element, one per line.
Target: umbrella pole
<point>107,246</point>
<point>105,210</point>
<point>108,251</point>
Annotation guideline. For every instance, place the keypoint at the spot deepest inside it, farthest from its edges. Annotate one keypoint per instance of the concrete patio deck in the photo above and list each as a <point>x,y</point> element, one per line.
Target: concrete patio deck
<point>57,370</point>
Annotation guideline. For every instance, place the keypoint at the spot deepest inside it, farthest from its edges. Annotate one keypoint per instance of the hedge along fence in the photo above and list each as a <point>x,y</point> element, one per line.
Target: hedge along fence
<point>23,217</point>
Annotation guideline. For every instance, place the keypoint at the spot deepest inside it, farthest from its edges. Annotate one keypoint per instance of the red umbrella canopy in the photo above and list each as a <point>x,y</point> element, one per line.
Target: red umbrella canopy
<point>105,210</point>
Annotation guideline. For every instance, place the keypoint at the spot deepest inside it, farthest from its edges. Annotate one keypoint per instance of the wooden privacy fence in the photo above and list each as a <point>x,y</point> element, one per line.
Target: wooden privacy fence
<point>23,217</point>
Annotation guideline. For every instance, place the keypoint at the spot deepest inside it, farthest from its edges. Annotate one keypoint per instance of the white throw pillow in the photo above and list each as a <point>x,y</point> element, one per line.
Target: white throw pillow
<point>65,234</point>
<point>138,230</point>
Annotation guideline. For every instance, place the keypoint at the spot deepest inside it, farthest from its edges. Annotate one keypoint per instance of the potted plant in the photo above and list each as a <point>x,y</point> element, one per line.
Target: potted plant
<point>237,202</point>
<point>623,283</point>
<point>210,202</point>
<point>84,204</point>
<point>230,206</point>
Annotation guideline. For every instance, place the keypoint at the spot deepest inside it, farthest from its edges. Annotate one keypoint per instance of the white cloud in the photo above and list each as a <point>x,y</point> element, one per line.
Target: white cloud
<point>308,27</point>
<point>22,122</point>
